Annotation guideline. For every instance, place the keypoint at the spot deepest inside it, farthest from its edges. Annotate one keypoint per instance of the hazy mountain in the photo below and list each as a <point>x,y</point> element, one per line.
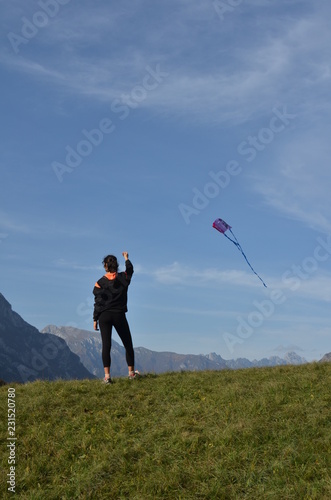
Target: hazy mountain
<point>87,345</point>
<point>27,355</point>
<point>294,359</point>
<point>159,362</point>
<point>291,358</point>
<point>326,358</point>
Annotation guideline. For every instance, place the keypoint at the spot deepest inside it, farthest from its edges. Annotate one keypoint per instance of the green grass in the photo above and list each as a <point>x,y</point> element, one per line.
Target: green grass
<point>246,434</point>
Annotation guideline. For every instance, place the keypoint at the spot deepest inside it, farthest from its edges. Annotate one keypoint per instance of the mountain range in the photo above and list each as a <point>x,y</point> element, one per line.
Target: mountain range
<point>27,354</point>
<point>87,345</point>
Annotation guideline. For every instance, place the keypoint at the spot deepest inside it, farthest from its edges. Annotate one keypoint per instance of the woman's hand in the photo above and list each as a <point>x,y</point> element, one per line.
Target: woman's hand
<point>125,255</point>
<point>95,324</point>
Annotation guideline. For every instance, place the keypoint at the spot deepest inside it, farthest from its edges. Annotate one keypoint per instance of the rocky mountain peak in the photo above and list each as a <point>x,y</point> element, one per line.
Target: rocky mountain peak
<point>27,355</point>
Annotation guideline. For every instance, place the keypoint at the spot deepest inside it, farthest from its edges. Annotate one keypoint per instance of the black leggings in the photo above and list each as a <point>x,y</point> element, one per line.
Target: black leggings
<point>107,321</point>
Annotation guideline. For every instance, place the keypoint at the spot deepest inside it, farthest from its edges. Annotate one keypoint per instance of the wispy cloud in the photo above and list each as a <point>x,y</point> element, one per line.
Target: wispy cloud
<point>238,87</point>
<point>40,229</point>
<point>8,223</point>
<point>32,68</point>
<point>226,313</point>
<point>297,181</point>
<point>65,264</point>
<point>177,274</point>
<point>314,286</point>
<point>287,348</point>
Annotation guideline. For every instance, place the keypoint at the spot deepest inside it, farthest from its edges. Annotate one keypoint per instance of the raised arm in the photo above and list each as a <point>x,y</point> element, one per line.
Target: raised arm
<point>128,265</point>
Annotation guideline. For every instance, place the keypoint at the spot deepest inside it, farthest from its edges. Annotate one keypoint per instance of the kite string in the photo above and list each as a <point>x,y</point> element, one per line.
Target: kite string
<point>236,242</point>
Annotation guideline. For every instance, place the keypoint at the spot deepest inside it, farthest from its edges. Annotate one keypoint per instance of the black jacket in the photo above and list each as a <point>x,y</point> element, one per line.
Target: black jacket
<point>112,294</point>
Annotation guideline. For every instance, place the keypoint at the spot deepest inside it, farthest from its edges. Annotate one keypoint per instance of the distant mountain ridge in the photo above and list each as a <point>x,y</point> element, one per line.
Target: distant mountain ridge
<point>27,355</point>
<point>71,353</point>
<point>326,358</point>
<point>87,345</point>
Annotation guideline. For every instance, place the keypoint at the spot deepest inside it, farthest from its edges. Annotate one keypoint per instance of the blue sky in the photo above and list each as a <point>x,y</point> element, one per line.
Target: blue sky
<point>133,126</point>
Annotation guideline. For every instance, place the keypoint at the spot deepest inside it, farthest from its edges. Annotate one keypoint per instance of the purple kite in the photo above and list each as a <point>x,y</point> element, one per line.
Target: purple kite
<point>222,226</point>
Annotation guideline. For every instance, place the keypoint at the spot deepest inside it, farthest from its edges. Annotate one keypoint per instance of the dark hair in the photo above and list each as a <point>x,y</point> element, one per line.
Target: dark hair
<point>110,263</point>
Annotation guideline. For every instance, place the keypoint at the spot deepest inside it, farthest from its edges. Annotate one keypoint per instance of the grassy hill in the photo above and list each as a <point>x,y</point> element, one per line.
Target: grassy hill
<point>248,434</point>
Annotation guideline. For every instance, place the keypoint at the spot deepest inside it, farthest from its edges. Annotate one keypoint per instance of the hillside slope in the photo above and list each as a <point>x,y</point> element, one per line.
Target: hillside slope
<point>245,434</point>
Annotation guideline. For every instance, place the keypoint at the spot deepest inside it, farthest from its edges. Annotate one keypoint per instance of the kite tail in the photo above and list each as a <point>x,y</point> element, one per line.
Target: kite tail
<point>236,242</point>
